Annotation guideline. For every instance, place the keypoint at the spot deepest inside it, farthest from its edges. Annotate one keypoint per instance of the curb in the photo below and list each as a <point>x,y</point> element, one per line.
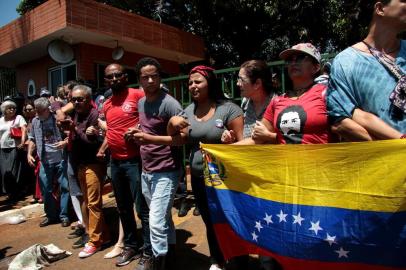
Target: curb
<point>27,211</point>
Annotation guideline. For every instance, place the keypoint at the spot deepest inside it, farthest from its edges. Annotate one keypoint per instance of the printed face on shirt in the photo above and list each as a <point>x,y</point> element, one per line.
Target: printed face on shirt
<point>150,80</point>
<point>291,122</point>
<point>198,87</point>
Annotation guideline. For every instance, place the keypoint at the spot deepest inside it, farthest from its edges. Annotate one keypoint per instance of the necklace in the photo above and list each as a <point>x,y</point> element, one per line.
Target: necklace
<point>382,51</point>
<point>299,92</point>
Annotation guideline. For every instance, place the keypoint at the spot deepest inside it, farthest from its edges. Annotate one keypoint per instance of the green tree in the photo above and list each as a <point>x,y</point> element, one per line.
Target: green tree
<point>237,30</point>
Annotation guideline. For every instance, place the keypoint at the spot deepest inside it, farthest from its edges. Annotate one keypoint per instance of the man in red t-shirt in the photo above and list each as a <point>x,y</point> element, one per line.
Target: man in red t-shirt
<point>121,113</point>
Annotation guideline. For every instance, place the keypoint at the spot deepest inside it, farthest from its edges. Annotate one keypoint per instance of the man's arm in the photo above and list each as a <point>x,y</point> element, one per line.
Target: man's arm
<point>62,112</point>
<point>102,150</point>
<point>375,126</point>
<point>30,158</point>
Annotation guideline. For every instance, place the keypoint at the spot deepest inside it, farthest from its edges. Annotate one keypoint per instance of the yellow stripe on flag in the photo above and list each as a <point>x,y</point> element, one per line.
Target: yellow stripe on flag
<point>365,176</point>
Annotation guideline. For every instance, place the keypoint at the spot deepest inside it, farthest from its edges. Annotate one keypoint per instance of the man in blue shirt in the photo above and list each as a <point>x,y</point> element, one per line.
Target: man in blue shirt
<point>359,83</point>
<point>47,139</point>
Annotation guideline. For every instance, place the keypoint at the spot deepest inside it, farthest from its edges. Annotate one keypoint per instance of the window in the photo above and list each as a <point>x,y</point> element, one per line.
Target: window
<point>60,75</point>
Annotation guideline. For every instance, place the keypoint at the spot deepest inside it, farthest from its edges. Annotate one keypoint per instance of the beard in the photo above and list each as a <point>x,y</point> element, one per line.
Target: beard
<point>117,88</point>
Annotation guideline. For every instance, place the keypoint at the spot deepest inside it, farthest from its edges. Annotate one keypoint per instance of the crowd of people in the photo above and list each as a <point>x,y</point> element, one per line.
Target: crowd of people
<point>68,140</point>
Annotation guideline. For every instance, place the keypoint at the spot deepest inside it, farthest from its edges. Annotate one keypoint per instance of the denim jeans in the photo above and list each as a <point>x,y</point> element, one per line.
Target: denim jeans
<point>125,177</point>
<point>159,190</point>
<point>47,174</point>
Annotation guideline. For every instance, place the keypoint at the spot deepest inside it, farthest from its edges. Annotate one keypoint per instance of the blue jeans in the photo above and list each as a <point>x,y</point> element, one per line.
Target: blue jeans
<point>47,174</point>
<point>159,190</point>
<point>125,178</point>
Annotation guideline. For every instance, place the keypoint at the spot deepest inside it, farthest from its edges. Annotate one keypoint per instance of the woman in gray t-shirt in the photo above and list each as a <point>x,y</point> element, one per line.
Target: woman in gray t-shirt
<point>208,116</point>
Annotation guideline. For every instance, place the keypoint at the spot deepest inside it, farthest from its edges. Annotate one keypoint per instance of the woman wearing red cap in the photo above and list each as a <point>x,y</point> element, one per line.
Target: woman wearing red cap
<point>207,117</point>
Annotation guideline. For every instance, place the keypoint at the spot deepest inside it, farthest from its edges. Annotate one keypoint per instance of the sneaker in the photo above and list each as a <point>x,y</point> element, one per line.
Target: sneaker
<point>81,242</point>
<point>78,232</point>
<point>47,221</point>
<point>183,209</point>
<point>146,262</point>
<point>88,251</point>
<point>127,255</point>
<point>65,223</point>
<point>196,212</point>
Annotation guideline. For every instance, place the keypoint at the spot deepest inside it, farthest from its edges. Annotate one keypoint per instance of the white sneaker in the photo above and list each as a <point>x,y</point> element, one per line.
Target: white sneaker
<point>215,267</point>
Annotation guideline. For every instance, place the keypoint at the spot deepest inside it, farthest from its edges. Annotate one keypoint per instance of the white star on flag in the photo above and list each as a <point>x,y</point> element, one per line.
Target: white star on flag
<point>330,239</point>
<point>282,216</point>
<point>254,237</point>
<point>258,225</point>
<point>342,253</point>
<point>298,219</point>
<point>268,219</point>
<point>315,227</point>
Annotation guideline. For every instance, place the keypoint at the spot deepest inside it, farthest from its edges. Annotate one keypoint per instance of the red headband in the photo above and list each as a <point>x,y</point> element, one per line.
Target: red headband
<point>203,70</point>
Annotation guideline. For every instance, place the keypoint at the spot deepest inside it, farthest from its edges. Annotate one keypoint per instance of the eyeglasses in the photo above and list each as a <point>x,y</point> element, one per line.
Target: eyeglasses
<point>11,108</point>
<point>28,109</point>
<point>298,58</point>
<point>77,99</point>
<point>242,80</point>
<point>147,77</point>
<point>117,75</point>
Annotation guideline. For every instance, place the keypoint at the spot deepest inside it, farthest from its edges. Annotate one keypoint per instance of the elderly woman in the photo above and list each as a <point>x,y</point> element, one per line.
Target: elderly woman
<point>10,161</point>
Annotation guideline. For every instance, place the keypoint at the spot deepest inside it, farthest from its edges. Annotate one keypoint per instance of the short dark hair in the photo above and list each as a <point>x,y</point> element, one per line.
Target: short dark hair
<point>258,69</point>
<point>147,61</point>
<point>70,84</point>
<point>367,6</point>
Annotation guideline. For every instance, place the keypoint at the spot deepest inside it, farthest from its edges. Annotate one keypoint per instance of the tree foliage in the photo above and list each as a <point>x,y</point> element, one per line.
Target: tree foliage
<point>237,30</point>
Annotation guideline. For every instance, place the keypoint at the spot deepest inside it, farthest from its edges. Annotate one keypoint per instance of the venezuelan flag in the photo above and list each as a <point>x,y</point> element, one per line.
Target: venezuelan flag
<point>336,206</point>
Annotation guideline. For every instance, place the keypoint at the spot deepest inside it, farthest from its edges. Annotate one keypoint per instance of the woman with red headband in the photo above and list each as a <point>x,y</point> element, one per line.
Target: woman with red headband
<point>207,117</point>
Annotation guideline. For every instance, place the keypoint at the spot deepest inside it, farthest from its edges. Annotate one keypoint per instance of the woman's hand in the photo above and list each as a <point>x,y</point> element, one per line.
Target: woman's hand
<point>31,160</point>
<point>261,133</point>
<point>228,136</point>
<point>176,124</point>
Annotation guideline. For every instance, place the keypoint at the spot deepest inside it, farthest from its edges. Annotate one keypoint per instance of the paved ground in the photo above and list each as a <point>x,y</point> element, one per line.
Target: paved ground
<point>192,250</point>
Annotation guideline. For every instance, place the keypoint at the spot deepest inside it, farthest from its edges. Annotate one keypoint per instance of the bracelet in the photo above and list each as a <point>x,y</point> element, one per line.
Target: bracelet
<point>403,136</point>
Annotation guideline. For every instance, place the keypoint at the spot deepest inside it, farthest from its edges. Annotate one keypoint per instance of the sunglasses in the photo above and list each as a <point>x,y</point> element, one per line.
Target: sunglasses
<point>117,75</point>
<point>242,79</point>
<point>77,99</point>
<point>298,58</point>
<point>28,110</point>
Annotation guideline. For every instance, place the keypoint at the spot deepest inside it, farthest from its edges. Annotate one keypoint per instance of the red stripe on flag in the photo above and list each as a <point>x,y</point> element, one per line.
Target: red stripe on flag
<point>232,245</point>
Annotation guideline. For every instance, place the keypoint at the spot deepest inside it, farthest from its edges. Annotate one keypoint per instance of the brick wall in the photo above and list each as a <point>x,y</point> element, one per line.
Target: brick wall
<point>35,70</point>
<point>86,56</point>
<point>97,17</point>
<point>35,24</point>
